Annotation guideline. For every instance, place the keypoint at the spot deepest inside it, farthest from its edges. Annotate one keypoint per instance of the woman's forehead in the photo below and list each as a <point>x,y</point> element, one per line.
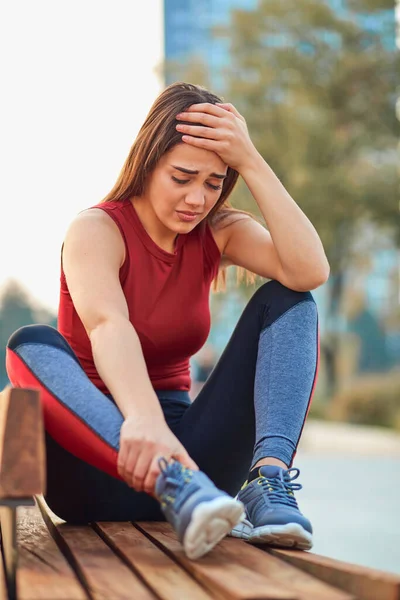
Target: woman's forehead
<point>196,159</point>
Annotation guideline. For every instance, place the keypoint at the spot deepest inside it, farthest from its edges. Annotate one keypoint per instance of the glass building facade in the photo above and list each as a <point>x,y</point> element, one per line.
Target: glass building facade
<point>188,27</point>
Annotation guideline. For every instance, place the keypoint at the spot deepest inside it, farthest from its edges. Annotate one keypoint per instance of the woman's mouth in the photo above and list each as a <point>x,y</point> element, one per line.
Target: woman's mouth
<point>187,216</point>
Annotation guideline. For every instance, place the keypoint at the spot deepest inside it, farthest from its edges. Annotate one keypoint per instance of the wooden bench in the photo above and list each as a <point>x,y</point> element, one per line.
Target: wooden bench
<point>46,559</point>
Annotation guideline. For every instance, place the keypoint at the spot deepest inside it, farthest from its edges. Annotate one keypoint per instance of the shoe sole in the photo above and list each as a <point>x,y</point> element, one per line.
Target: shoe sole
<point>291,535</point>
<point>210,523</point>
<point>242,530</point>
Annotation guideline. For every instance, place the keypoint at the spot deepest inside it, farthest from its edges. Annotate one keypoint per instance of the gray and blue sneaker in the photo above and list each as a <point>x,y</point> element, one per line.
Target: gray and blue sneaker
<point>272,513</point>
<point>200,513</point>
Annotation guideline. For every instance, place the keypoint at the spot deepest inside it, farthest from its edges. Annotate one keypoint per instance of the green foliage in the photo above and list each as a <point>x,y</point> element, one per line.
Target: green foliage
<point>370,6</point>
<point>318,94</point>
<point>373,399</point>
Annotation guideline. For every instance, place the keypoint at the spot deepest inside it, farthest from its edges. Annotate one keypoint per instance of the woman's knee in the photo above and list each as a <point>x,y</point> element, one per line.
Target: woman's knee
<point>39,334</point>
<point>273,299</point>
<point>27,353</point>
<point>273,289</point>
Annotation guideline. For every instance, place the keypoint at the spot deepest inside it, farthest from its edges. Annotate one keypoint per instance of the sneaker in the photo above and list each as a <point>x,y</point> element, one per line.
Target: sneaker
<point>242,530</point>
<point>272,510</point>
<point>199,512</point>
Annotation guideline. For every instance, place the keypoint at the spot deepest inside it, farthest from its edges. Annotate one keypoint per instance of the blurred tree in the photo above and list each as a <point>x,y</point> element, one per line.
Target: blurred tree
<point>370,6</point>
<point>17,309</point>
<point>318,90</point>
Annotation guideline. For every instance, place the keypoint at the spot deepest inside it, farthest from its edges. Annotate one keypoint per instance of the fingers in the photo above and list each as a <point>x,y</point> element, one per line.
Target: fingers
<point>214,127</point>
<point>219,110</point>
<point>199,117</point>
<point>127,458</point>
<point>204,132</point>
<point>121,461</point>
<point>138,461</point>
<point>151,477</point>
<point>207,107</point>
<point>200,142</point>
<point>154,470</point>
<point>230,108</point>
<point>141,469</point>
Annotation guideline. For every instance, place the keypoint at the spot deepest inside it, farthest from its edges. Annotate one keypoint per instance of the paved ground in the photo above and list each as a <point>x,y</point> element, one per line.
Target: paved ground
<point>351,488</point>
<point>326,437</point>
<point>353,504</point>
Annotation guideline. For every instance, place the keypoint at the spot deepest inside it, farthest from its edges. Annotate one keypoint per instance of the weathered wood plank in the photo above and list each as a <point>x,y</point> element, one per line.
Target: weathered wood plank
<point>22,445</point>
<point>305,586</point>
<point>8,526</point>
<point>224,574</point>
<point>105,576</point>
<point>43,573</point>
<point>163,575</point>
<point>363,582</point>
<point>3,590</point>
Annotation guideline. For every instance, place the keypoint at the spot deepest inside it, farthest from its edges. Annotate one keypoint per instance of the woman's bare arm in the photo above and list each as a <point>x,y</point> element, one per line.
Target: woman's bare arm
<point>92,256</point>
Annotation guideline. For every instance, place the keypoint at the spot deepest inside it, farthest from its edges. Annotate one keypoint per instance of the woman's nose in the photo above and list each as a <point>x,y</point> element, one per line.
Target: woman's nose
<point>195,198</point>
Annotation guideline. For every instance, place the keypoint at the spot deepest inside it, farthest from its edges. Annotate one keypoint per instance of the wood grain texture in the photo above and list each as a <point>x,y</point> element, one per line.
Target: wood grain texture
<point>363,582</point>
<point>22,444</point>
<point>169,580</point>
<point>3,589</point>
<point>104,575</point>
<point>222,573</point>
<point>43,573</point>
<point>305,586</point>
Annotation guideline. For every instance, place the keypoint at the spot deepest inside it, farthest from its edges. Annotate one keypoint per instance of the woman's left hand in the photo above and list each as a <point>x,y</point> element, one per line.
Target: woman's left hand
<point>223,130</point>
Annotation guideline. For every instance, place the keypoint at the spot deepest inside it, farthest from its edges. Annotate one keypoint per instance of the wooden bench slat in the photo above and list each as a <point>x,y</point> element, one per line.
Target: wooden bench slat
<point>303,584</point>
<point>104,574</point>
<point>365,583</point>
<point>22,445</point>
<point>224,575</point>
<point>3,589</point>
<point>168,579</point>
<point>43,573</point>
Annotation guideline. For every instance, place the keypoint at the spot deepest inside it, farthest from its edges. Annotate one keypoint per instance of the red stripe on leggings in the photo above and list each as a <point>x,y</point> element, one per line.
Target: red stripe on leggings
<point>66,428</point>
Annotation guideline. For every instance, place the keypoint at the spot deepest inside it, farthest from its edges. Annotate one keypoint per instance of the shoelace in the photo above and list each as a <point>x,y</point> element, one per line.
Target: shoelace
<point>176,475</point>
<point>281,491</point>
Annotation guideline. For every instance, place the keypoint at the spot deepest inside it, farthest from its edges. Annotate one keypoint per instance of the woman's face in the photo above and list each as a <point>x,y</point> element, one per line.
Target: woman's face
<point>185,186</point>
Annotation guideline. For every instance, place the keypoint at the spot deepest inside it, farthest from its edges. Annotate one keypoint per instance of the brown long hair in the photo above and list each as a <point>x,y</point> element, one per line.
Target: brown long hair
<point>156,137</point>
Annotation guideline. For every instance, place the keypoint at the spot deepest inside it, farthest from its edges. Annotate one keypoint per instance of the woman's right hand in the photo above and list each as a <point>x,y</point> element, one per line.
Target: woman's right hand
<point>142,442</point>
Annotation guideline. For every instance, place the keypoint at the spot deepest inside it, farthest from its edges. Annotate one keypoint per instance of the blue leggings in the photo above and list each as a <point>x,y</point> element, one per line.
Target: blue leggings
<point>254,404</point>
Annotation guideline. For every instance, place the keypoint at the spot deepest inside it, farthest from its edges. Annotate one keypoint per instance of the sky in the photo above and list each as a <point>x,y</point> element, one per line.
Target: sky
<point>78,79</point>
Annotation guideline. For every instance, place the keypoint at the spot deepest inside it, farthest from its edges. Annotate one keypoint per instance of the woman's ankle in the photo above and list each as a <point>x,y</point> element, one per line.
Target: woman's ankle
<point>270,460</point>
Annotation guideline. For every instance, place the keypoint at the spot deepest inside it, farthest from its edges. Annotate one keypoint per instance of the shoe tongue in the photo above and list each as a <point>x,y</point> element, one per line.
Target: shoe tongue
<point>270,471</point>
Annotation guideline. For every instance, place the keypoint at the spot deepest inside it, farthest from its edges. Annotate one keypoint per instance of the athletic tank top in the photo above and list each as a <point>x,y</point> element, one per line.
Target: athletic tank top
<point>167,296</point>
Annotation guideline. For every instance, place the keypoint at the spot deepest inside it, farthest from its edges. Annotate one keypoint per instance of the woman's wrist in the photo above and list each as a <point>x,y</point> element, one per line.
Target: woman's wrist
<point>252,165</point>
<point>155,417</point>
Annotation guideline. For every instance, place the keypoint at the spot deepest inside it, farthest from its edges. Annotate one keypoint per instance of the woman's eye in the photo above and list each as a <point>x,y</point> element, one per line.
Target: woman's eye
<point>180,180</point>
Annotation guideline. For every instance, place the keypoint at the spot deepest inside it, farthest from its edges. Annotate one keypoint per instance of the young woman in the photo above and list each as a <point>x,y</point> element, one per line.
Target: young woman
<point>124,441</point>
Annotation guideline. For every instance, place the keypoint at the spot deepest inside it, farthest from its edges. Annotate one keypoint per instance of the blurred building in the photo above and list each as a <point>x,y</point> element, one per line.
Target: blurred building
<point>188,29</point>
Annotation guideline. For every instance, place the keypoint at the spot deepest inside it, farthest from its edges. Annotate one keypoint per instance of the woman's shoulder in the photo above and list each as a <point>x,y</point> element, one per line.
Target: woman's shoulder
<point>221,225</point>
<point>90,219</point>
<point>94,225</point>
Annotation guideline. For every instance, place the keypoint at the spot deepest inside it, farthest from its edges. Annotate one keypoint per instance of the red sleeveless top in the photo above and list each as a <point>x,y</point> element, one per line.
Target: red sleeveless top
<point>167,296</point>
